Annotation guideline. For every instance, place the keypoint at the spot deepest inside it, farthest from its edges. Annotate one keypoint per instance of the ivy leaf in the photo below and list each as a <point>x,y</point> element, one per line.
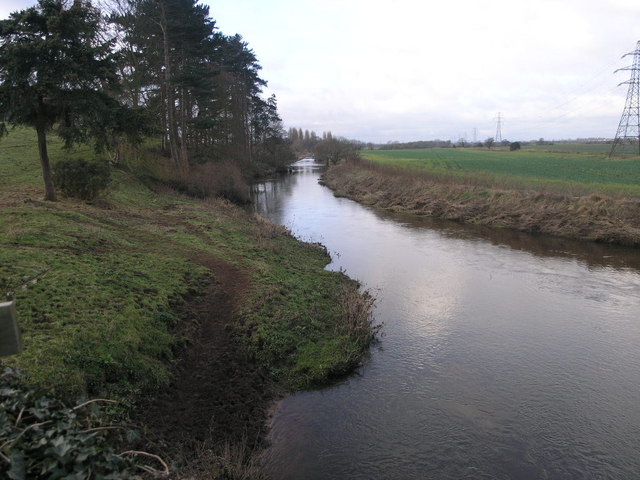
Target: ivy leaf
<point>132,435</point>
<point>76,476</point>
<point>59,447</point>
<point>8,392</point>
<point>82,456</point>
<point>18,468</point>
<point>48,465</point>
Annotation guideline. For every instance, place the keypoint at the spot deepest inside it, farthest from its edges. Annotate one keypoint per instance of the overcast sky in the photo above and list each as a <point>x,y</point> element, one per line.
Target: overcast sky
<point>419,70</point>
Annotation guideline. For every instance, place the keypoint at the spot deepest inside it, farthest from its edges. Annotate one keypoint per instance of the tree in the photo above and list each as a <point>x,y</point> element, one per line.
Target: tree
<point>57,73</point>
<point>489,142</point>
<point>515,146</point>
<point>202,87</point>
<point>168,45</point>
<point>335,149</point>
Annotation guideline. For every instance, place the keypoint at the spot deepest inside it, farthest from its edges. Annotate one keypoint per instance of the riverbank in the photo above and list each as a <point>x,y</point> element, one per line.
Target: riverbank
<point>193,315</point>
<point>594,217</point>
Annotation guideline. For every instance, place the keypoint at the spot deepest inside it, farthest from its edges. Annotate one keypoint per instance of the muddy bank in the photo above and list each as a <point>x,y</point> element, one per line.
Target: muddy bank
<point>594,217</point>
<point>218,400</point>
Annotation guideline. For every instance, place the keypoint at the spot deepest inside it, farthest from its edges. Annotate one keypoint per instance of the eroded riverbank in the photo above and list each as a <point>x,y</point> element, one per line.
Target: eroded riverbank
<point>594,217</point>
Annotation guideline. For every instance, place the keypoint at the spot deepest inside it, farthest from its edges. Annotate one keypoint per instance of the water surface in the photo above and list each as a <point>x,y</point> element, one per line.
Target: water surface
<point>504,355</point>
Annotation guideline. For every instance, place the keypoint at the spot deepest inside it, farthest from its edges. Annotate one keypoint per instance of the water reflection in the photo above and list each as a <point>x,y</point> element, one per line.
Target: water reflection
<point>505,355</point>
<point>592,253</point>
<point>272,198</point>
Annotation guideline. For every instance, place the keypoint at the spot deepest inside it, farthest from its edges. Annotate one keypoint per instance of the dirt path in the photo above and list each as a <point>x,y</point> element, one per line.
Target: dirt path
<point>217,397</point>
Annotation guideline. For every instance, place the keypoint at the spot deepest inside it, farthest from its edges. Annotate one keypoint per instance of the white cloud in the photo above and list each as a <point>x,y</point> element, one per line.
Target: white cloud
<point>409,69</point>
<point>415,68</point>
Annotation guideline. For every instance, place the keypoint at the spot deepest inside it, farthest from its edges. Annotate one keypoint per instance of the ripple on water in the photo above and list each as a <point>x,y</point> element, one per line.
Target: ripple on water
<point>505,356</point>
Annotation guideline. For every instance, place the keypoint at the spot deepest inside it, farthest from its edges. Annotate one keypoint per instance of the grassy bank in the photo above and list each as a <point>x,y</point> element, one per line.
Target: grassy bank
<point>104,290</point>
<point>575,169</point>
<point>596,217</point>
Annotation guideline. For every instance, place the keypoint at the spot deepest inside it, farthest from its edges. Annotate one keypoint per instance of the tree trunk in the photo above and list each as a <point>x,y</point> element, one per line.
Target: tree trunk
<point>169,92</point>
<point>184,155</point>
<point>47,175</point>
<point>171,107</point>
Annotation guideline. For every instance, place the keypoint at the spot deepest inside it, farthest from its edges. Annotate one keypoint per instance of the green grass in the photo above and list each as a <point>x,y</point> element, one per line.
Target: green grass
<point>90,299</point>
<point>97,286</point>
<point>570,168</point>
<point>19,157</point>
<point>572,147</point>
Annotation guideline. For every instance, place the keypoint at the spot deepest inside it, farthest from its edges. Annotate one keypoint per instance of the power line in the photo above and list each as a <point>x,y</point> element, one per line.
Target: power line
<point>568,106</point>
<point>629,126</point>
<point>499,128</point>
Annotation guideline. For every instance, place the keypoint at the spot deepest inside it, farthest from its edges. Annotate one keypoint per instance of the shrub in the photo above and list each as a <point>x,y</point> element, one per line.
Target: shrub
<point>208,179</point>
<point>515,146</point>
<point>80,178</point>
<point>218,179</point>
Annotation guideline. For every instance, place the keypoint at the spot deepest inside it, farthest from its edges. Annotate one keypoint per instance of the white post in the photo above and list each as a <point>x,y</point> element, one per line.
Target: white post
<point>10,343</point>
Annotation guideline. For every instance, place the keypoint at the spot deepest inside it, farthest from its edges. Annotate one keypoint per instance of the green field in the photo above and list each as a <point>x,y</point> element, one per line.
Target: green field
<point>564,168</point>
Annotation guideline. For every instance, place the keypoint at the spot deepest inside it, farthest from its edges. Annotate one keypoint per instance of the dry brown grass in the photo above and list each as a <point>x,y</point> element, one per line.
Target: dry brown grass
<point>210,179</point>
<point>220,179</point>
<point>226,461</point>
<point>265,228</point>
<point>267,233</point>
<point>357,313</point>
<point>594,217</point>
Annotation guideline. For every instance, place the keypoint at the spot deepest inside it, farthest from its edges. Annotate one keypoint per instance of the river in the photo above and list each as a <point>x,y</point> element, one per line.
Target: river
<point>503,356</point>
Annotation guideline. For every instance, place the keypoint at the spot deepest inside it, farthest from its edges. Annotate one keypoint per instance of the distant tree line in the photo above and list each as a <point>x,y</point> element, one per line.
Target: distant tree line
<point>416,144</point>
<point>489,143</point>
<point>143,69</point>
<point>303,141</point>
<point>325,148</point>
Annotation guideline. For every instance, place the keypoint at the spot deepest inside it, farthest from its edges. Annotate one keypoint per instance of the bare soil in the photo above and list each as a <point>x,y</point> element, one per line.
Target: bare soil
<point>218,397</point>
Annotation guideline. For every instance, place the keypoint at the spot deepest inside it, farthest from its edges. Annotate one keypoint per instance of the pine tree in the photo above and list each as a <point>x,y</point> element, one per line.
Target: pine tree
<point>202,87</point>
<point>57,73</point>
<point>176,38</point>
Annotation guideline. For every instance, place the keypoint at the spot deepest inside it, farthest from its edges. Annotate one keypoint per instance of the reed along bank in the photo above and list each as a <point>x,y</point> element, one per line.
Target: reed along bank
<point>594,217</point>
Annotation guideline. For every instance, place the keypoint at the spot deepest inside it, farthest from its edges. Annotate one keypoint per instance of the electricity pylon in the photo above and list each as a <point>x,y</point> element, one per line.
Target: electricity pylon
<point>629,126</point>
<point>498,128</point>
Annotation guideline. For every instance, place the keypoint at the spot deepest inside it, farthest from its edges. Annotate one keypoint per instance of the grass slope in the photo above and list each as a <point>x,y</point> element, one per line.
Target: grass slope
<point>575,169</point>
<point>97,286</point>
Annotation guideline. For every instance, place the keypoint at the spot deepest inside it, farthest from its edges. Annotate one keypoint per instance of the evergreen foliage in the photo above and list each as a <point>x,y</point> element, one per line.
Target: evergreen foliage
<point>80,178</point>
<point>157,68</point>
<point>57,72</point>
<point>203,87</point>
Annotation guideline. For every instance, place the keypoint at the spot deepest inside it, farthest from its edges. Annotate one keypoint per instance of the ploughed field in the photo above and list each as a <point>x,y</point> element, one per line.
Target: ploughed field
<point>570,168</point>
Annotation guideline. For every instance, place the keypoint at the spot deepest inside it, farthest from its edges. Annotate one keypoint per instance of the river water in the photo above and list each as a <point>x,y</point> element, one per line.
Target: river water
<point>503,356</point>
